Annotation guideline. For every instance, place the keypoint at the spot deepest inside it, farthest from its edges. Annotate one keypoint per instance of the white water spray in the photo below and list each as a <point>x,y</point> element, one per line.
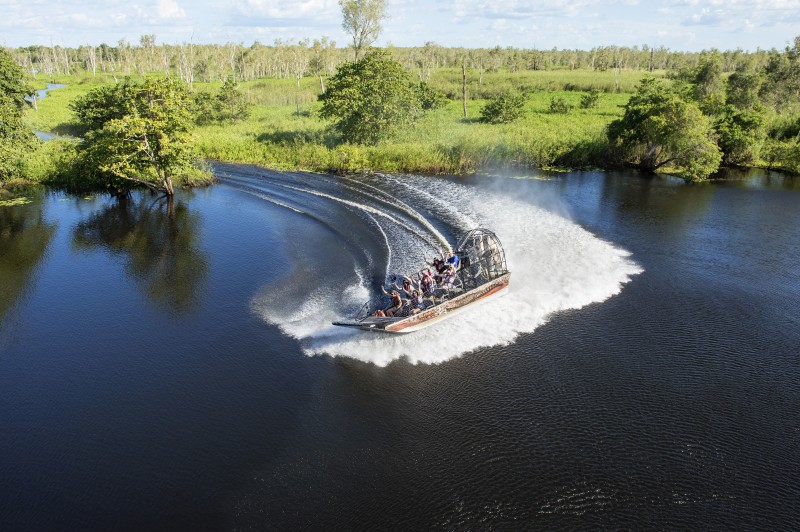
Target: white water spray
<point>555,265</point>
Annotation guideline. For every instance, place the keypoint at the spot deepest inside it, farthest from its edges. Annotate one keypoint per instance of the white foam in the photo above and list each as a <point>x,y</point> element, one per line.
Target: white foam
<point>555,264</point>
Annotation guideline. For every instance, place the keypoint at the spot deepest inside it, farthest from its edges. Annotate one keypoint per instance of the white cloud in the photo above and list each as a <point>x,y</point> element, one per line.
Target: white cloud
<point>169,9</point>
<point>290,9</point>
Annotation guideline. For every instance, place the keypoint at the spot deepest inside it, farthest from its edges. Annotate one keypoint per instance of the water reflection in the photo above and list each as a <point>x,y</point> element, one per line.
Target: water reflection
<point>24,238</point>
<point>658,200</point>
<point>757,178</point>
<point>158,239</point>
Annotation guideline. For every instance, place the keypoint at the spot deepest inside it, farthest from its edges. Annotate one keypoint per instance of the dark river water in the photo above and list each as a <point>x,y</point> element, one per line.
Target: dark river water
<point>174,367</point>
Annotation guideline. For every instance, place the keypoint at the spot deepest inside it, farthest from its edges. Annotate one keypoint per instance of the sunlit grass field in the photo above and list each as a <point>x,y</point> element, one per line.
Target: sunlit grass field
<point>284,131</point>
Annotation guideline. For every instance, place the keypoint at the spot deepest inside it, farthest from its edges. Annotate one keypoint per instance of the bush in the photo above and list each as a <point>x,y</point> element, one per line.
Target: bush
<point>429,98</point>
<point>590,100</point>
<point>503,108</point>
<point>228,105</point>
<point>559,105</point>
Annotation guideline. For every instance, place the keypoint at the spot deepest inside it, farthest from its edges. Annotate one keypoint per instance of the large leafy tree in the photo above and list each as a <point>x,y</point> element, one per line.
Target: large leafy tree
<point>15,137</point>
<point>369,99</point>
<point>740,134</point>
<point>138,134</point>
<point>660,128</point>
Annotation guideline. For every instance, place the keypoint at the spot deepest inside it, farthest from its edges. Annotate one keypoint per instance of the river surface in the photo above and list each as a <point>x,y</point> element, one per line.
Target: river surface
<point>174,367</point>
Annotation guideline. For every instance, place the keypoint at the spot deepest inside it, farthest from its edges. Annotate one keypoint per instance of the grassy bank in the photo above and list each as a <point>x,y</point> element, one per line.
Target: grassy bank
<point>284,131</point>
<point>443,141</point>
<point>276,135</point>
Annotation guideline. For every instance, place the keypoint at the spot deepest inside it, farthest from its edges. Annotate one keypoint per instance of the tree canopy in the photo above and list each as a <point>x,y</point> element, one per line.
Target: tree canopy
<point>15,137</point>
<point>660,128</point>
<point>369,99</point>
<point>138,133</point>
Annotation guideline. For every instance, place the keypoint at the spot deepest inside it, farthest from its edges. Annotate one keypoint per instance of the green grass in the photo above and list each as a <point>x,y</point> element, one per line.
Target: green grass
<point>442,141</point>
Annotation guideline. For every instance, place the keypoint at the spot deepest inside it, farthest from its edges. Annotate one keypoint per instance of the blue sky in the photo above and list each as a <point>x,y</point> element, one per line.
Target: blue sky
<point>689,25</point>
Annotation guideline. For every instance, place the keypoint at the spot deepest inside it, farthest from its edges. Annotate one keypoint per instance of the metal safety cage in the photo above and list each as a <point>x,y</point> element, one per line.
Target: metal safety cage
<point>482,257</point>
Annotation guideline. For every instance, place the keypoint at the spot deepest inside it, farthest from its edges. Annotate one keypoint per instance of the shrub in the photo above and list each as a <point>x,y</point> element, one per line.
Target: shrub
<point>590,100</point>
<point>559,105</point>
<point>429,98</point>
<point>503,108</point>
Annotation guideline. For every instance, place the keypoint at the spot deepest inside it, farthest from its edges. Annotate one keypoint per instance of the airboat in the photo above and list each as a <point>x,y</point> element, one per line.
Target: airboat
<point>482,275</point>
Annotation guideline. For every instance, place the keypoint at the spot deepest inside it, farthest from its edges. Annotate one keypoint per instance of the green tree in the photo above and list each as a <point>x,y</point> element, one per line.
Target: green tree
<point>102,104</point>
<point>743,87</point>
<point>707,79</point>
<point>659,128</point>
<point>781,87</point>
<point>16,139</point>
<point>143,138</point>
<point>369,99</point>
<point>740,134</point>
<point>362,20</point>
<point>503,108</point>
<point>228,105</point>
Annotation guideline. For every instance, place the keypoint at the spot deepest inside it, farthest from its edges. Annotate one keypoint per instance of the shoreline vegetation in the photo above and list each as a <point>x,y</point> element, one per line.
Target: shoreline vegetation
<point>567,101</point>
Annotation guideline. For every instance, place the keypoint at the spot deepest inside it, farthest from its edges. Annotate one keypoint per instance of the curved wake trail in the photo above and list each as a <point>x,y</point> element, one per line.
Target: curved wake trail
<point>555,265</point>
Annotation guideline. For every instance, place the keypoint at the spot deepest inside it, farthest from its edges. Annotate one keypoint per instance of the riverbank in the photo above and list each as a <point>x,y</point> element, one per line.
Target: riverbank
<point>283,131</point>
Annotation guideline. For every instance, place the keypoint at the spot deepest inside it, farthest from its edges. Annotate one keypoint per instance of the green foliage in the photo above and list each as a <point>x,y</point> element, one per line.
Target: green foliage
<point>784,127</point>
<point>362,20</point>
<point>228,105</point>
<point>781,87</point>
<point>103,104</point>
<point>659,128</point>
<point>743,87</point>
<point>558,104</point>
<point>429,98</point>
<point>707,78</point>
<point>369,99</point>
<point>141,136</point>
<point>16,138</point>
<point>590,99</point>
<point>783,154</point>
<point>740,134</point>
<point>13,84</point>
<point>503,108</point>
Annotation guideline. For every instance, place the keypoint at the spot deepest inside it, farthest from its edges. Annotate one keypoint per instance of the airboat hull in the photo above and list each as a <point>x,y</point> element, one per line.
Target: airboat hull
<point>449,308</point>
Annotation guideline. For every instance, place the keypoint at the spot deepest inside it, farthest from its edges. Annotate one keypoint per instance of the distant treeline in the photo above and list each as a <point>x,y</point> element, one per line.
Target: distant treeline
<point>320,57</point>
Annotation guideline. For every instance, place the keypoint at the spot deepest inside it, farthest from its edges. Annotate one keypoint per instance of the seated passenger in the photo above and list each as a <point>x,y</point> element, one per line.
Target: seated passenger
<point>408,286</point>
<point>426,282</point>
<point>418,303</point>
<point>396,302</point>
<point>449,278</point>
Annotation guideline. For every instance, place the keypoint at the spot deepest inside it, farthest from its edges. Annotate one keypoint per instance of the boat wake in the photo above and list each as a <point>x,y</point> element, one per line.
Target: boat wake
<point>382,224</point>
